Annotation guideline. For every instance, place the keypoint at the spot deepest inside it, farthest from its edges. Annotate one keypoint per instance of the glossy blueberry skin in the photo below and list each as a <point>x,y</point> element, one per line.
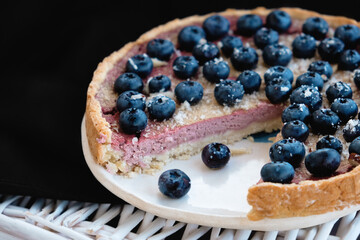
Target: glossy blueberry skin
<point>189,91</point>
<point>131,99</point>
<point>351,130</point>
<point>323,68</point>
<point>304,46</point>
<point>277,54</point>
<point>296,111</point>
<point>215,27</point>
<point>204,52</point>
<point>161,49</point>
<point>277,172</point>
<point>265,36</point>
<point>324,121</point>
<point>323,162</point>
<point>174,183</point>
<point>330,142</point>
<point>355,146</point>
<point>128,81</point>
<point>330,49</point>
<point>229,43</point>
<point>316,27</point>
<point>287,150</point>
<point>250,80</point>
<point>345,108</point>
<point>215,155</point>
<point>278,20</point>
<point>308,95</point>
<point>159,83</point>
<point>215,70</point>
<point>140,64</point>
<point>278,72</point>
<point>295,129</point>
<point>278,90</point>
<point>244,58</point>
<point>357,78</point>
<point>185,67</point>
<point>161,108</point>
<point>311,79</point>
<point>228,92</point>
<point>190,36</point>
<point>349,34</point>
<point>133,120</point>
<point>349,60</point>
<point>338,90</point>
<point>248,24</point>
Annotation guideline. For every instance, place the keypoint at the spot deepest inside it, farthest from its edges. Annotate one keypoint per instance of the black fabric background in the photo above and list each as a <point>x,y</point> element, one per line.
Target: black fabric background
<point>49,51</point>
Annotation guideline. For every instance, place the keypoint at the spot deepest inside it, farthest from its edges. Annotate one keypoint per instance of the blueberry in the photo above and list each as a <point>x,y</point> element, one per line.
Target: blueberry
<point>248,24</point>
<point>351,130</point>
<point>190,36</point>
<point>189,91</point>
<point>174,183</point>
<point>278,20</point>
<point>323,68</point>
<point>287,150</point>
<point>132,120</point>
<point>215,155</point>
<point>349,34</point>
<point>128,81</point>
<point>277,172</point>
<point>228,43</point>
<point>329,142</point>
<point>316,27</point>
<point>215,70</point>
<point>304,46</point>
<point>159,83</point>
<point>161,108</point>
<point>345,108</point>
<point>308,95</point>
<point>355,146</point>
<point>349,60</point>
<point>357,78</point>
<point>330,49</point>
<point>278,90</point>
<point>338,90</point>
<point>161,49</point>
<point>228,92</point>
<point>185,67</point>
<point>131,99</point>
<point>216,26</point>
<point>278,72</point>
<point>296,111</point>
<point>311,79</point>
<point>140,64</point>
<point>204,52</point>
<point>295,129</point>
<point>250,80</point>
<point>324,121</point>
<point>277,54</point>
<point>244,58</point>
<point>265,36</point>
<point>323,162</point>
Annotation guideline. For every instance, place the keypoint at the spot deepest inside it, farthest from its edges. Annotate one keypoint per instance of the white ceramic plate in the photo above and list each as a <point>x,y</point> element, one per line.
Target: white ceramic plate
<point>217,198</point>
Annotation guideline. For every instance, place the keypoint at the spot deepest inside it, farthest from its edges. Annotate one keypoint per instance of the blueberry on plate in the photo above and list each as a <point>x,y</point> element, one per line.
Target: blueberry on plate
<point>355,146</point>
<point>338,90</point>
<point>174,183</point>
<point>250,80</point>
<point>304,46</point>
<point>308,95</point>
<point>351,130</point>
<point>287,150</point>
<point>265,36</point>
<point>277,172</point>
<point>159,83</point>
<point>311,79</point>
<point>189,91</point>
<point>131,99</point>
<point>185,67</point>
<point>349,60</point>
<point>215,155</point>
<point>330,141</point>
<point>228,43</point>
<point>278,20</point>
<point>324,121</point>
<point>140,64</point>
<point>204,52</point>
<point>278,72</point>
<point>316,27</point>
<point>278,90</point>
<point>323,68</point>
<point>345,108</point>
<point>244,58</point>
<point>215,70</point>
<point>357,78</point>
<point>248,24</point>
<point>228,92</point>
<point>330,49</point>
<point>190,36</point>
<point>349,34</point>
<point>159,48</point>
<point>128,81</point>
<point>296,111</point>
<point>323,162</point>
<point>295,129</point>
<point>216,26</point>
<point>161,108</point>
<point>133,120</point>
<point>277,54</point>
